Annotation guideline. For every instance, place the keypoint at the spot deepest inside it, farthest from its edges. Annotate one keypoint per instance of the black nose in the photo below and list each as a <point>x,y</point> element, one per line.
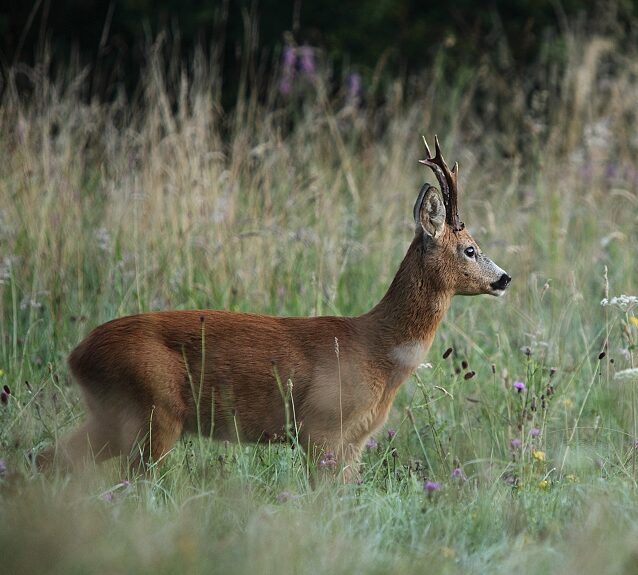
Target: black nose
<point>502,282</point>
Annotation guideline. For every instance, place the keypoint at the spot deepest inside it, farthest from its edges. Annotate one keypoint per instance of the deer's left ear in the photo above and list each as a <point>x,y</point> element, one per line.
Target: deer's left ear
<point>429,211</point>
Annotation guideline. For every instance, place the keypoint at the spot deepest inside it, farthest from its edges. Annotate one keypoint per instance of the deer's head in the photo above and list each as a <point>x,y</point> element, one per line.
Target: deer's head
<point>451,252</point>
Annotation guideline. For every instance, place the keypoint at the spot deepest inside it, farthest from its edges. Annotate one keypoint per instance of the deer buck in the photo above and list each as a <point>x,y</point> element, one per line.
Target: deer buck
<point>149,378</point>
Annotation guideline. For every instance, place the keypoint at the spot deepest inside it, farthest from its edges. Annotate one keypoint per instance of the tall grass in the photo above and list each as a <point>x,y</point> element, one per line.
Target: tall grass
<point>302,206</point>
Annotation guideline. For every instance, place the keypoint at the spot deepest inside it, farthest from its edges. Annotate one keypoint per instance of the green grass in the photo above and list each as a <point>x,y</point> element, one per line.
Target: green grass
<point>304,208</point>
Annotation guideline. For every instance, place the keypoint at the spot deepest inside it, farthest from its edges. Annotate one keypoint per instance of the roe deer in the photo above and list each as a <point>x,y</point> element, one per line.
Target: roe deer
<point>148,378</point>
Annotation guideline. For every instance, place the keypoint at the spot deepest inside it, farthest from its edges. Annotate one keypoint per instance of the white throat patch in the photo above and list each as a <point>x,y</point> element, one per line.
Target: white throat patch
<point>409,354</point>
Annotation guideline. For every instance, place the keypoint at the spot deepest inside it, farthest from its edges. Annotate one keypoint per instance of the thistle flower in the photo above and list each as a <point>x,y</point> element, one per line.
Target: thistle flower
<point>328,460</point>
<point>391,434</point>
<point>371,443</point>
<point>515,443</point>
<point>534,432</point>
<point>518,385</point>
<point>457,473</point>
<point>431,486</point>
<point>3,467</point>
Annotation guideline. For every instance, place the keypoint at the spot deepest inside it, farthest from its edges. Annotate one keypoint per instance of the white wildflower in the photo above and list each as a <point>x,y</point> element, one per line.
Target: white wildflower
<point>625,303</point>
<point>30,302</point>
<point>629,375</point>
<point>103,238</point>
<point>598,134</point>
<point>6,264</point>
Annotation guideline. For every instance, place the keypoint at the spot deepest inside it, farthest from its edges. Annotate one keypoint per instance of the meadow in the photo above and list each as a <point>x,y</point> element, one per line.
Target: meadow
<point>301,204</point>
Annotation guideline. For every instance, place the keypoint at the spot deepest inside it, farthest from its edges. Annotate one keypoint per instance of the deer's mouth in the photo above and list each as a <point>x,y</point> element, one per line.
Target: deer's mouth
<point>499,286</point>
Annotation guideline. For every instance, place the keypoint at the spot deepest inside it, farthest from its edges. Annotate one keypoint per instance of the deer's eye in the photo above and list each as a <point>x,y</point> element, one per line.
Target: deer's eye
<point>470,252</point>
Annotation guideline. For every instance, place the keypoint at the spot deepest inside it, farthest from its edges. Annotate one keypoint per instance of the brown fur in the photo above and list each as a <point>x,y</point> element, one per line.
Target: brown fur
<point>147,378</point>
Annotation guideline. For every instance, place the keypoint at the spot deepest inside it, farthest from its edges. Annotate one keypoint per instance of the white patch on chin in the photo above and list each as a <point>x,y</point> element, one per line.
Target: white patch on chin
<point>497,292</point>
<point>409,354</point>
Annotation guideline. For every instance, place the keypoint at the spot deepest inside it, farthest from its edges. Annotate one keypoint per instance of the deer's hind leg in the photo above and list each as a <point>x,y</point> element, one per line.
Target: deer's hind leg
<point>94,440</point>
<point>148,435</point>
<point>139,433</point>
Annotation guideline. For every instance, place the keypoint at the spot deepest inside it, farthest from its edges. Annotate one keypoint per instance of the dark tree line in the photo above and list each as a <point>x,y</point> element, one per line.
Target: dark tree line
<point>112,36</point>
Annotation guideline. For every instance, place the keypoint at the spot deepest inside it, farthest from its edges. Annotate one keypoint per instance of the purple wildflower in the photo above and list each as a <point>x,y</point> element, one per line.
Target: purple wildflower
<point>289,57</point>
<point>519,385</point>
<point>307,61</point>
<point>457,473</point>
<point>353,87</point>
<point>391,434</point>
<point>431,486</point>
<point>534,432</point>
<point>611,170</point>
<point>108,496</point>
<point>371,443</point>
<point>3,467</point>
<point>284,496</point>
<point>515,443</point>
<point>285,86</point>
<point>511,480</point>
<point>4,397</point>
<point>328,460</point>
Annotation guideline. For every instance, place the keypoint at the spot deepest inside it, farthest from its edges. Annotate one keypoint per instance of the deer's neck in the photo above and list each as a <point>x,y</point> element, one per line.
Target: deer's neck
<point>402,325</point>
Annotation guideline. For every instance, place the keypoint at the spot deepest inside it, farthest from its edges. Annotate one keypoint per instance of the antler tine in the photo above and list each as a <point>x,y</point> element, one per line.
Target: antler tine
<point>448,180</point>
<point>427,148</point>
<point>440,176</point>
<point>437,148</point>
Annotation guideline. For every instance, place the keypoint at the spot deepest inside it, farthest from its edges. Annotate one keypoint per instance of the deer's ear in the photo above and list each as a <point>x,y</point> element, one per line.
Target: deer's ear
<point>429,211</point>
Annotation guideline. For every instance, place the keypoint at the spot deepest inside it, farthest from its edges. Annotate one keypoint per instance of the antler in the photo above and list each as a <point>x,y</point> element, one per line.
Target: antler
<point>448,180</point>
